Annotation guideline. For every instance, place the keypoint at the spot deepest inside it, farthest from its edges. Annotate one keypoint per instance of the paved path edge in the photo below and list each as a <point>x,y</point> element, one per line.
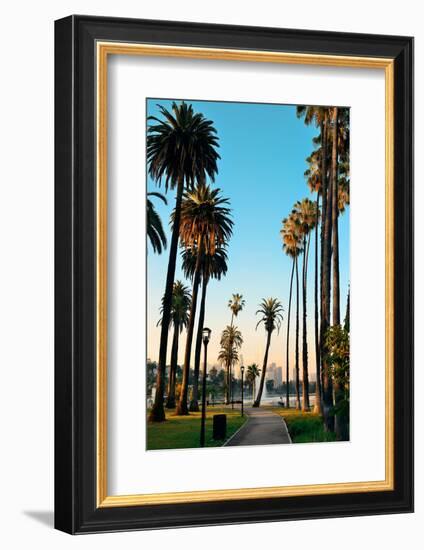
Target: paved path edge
<point>237,431</point>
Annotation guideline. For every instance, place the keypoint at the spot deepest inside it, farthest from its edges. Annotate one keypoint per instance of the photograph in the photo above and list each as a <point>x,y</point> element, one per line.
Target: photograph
<point>248,273</point>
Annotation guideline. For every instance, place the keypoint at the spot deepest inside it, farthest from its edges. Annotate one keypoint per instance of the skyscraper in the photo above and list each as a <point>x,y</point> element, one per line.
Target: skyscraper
<point>278,376</point>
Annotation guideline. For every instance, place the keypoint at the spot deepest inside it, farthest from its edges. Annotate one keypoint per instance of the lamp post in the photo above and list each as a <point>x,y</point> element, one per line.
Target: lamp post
<point>242,390</point>
<point>206,334</point>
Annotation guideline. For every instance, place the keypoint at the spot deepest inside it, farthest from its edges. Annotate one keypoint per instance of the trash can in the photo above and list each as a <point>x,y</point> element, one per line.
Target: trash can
<point>219,426</point>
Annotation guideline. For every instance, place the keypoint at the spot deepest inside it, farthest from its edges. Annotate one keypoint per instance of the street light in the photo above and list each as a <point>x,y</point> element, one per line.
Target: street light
<point>242,390</point>
<point>206,334</point>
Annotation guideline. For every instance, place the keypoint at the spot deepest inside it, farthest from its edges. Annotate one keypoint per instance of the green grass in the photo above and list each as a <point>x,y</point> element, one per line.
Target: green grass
<point>183,432</point>
<point>304,427</point>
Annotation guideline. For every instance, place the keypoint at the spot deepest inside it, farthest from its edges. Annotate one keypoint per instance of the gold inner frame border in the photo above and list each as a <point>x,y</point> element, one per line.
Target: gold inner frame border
<point>103,50</point>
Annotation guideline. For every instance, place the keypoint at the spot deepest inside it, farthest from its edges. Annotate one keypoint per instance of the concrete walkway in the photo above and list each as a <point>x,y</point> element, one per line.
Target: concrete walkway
<point>261,428</point>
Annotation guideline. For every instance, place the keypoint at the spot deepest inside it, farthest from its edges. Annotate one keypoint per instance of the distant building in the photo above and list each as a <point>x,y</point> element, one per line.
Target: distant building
<point>270,372</point>
<point>278,376</point>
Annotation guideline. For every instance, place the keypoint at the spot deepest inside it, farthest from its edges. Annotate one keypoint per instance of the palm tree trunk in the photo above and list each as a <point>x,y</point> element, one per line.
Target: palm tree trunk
<point>317,407</point>
<point>227,383</point>
<point>228,389</point>
<point>288,339</point>
<point>322,243</point>
<point>182,408</point>
<point>157,414</point>
<point>296,357</point>
<point>230,382</point>
<point>170,401</point>
<point>194,404</point>
<point>262,382</point>
<point>327,389</point>
<point>340,419</point>
<point>335,225</point>
<point>305,377</point>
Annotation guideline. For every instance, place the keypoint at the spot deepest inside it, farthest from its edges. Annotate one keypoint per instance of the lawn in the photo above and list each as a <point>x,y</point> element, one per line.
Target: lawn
<point>183,432</point>
<point>304,427</point>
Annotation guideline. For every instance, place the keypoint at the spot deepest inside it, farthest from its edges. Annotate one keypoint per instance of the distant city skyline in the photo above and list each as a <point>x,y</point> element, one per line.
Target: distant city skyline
<point>263,151</point>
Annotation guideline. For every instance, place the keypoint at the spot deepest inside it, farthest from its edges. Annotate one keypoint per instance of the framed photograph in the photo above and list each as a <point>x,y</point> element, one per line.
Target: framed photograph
<point>234,274</point>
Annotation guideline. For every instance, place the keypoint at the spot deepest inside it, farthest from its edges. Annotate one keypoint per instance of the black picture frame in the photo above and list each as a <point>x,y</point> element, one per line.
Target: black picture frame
<point>75,275</point>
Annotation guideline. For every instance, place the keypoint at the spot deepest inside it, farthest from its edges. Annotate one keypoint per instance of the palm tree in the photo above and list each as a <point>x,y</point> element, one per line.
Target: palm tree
<point>181,150</point>
<point>205,226</point>
<point>305,213</point>
<point>253,371</point>
<point>317,177</point>
<point>228,356</point>
<point>181,300</point>
<point>322,118</point>
<point>331,181</point>
<point>155,230</point>
<point>292,247</point>
<point>337,138</point>
<point>340,196</point>
<point>212,267</point>
<point>340,178</point>
<point>326,251</point>
<point>272,316</point>
<point>314,179</point>
<point>231,338</point>
<point>236,304</point>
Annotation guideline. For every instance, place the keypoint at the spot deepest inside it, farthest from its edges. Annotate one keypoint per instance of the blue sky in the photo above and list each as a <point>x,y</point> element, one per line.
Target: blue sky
<point>263,148</point>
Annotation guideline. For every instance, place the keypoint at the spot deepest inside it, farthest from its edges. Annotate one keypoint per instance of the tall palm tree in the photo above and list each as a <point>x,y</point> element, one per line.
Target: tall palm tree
<point>236,304</point>
<point>340,195</point>
<point>155,230</point>
<point>181,150</point>
<point>181,300</point>
<point>326,253</point>
<point>337,141</point>
<point>305,213</point>
<point>271,311</point>
<point>205,226</point>
<point>316,175</point>
<point>292,246</point>
<point>333,180</point>
<point>322,118</point>
<point>340,178</point>
<point>313,176</point>
<point>213,266</point>
<point>253,371</point>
